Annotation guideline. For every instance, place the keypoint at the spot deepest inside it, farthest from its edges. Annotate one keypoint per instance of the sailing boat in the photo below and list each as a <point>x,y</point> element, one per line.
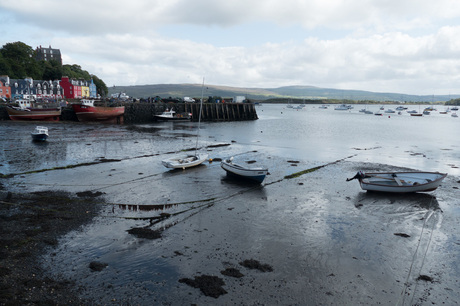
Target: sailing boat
<point>188,160</point>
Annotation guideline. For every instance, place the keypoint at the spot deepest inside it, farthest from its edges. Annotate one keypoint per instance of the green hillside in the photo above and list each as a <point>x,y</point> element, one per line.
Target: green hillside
<point>294,92</point>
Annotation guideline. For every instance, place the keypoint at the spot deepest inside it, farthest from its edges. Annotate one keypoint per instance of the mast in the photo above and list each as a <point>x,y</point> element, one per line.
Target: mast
<point>199,117</point>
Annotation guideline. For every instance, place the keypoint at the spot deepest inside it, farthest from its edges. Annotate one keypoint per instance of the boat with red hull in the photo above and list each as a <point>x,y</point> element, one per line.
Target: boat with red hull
<point>86,112</point>
<point>39,114</point>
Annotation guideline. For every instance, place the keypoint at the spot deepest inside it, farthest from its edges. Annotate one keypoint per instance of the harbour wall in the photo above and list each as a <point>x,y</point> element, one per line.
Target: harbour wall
<point>145,112</point>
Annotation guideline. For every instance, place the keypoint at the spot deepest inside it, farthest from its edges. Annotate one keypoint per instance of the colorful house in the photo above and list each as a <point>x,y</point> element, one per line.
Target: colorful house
<point>5,90</point>
<point>92,89</point>
<point>22,88</point>
<point>71,88</point>
<point>84,89</point>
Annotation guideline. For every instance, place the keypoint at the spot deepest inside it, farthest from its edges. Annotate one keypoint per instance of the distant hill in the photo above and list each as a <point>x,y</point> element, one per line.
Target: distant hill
<point>294,92</point>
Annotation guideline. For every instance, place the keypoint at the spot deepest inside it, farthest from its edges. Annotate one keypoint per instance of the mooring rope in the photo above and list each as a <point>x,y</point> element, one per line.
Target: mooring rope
<point>404,291</point>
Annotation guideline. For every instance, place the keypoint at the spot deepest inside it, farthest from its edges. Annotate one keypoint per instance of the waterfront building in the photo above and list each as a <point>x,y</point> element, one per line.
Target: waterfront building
<point>92,89</point>
<point>5,90</point>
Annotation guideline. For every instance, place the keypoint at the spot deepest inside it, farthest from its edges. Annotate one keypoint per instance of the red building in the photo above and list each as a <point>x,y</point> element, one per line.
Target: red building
<point>5,90</point>
<point>71,88</point>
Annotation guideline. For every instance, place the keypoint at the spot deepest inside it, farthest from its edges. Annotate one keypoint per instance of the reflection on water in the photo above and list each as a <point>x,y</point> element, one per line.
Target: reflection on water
<point>421,200</point>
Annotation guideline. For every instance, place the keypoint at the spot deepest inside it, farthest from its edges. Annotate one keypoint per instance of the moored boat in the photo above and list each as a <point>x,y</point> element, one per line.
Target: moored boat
<point>256,174</point>
<point>87,112</point>
<point>185,161</point>
<point>171,115</point>
<point>399,182</point>
<point>40,133</point>
<point>343,107</point>
<point>189,160</point>
<point>40,114</point>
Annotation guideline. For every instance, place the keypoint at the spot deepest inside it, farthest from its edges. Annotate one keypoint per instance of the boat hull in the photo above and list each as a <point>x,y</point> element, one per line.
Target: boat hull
<point>98,113</point>
<point>185,161</point>
<point>39,137</point>
<point>253,174</point>
<point>401,182</point>
<point>34,114</point>
<point>168,118</point>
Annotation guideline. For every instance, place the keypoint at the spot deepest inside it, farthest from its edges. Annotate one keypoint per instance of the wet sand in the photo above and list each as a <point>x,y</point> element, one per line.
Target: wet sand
<point>203,239</point>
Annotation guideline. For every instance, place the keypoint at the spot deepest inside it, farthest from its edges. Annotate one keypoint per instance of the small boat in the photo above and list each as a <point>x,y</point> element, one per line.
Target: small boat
<point>40,133</point>
<point>455,108</point>
<point>185,161</point>
<point>454,115</point>
<point>256,174</point>
<point>323,106</point>
<point>390,111</point>
<point>86,111</point>
<point>401,108</point>
<point>189,160</point>
<point>378,114</point>
<point>399,182</point>
<point>171,115</point>
<point>416,114</point>
<point>39,114</point>
<point>342,107</point>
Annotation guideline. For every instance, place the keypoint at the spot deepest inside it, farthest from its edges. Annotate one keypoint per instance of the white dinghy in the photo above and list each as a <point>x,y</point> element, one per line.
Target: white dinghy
<point>188,160</point>
<point>185,161</point>
<point>400,182</point>
<point>256,174</point>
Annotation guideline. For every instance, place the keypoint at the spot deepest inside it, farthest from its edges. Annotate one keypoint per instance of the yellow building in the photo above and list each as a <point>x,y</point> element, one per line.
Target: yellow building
<point>84,91</point>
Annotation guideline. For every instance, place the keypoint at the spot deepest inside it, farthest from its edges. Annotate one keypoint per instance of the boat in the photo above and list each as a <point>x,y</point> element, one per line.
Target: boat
<point>454,115</point>
<point>256,174</point>
<point>454,108</point>
<point>40,114</point>
<point>323,106</point>
<point>412,111</point>
<point>188,160</point>
<point>171,115</point>
<point>40,133</point>
<point>185,161</point>
<point>416,114</point>
<point>399,182</point>
<point>426,112</point>
<point>342,107</point>
<point>86,111</point>
<point>378,114</point>
<point>390,111</point>
<point>401,108</point>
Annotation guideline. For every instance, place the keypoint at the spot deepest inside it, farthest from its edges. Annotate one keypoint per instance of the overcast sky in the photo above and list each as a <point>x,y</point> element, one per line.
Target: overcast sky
<point>402,46</point>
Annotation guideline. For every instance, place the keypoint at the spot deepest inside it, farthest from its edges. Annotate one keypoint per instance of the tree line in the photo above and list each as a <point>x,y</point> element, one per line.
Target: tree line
<point>17,60</point>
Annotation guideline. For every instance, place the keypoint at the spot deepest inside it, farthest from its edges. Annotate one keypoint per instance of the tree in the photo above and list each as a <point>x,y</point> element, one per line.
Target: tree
<point>5,68</point>
<point>20,58</point>
<point>52,70</point>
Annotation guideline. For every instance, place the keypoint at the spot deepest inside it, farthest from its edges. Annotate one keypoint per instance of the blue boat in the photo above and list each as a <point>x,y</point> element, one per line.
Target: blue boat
<point>40,133</point>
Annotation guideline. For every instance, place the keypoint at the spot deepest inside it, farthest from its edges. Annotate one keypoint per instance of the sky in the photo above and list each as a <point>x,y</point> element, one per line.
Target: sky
<point>398,46</point>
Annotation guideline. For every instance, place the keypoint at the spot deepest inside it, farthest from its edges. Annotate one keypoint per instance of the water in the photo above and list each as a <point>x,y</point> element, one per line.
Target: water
<point>327,241</point>
<point>310,134</point>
